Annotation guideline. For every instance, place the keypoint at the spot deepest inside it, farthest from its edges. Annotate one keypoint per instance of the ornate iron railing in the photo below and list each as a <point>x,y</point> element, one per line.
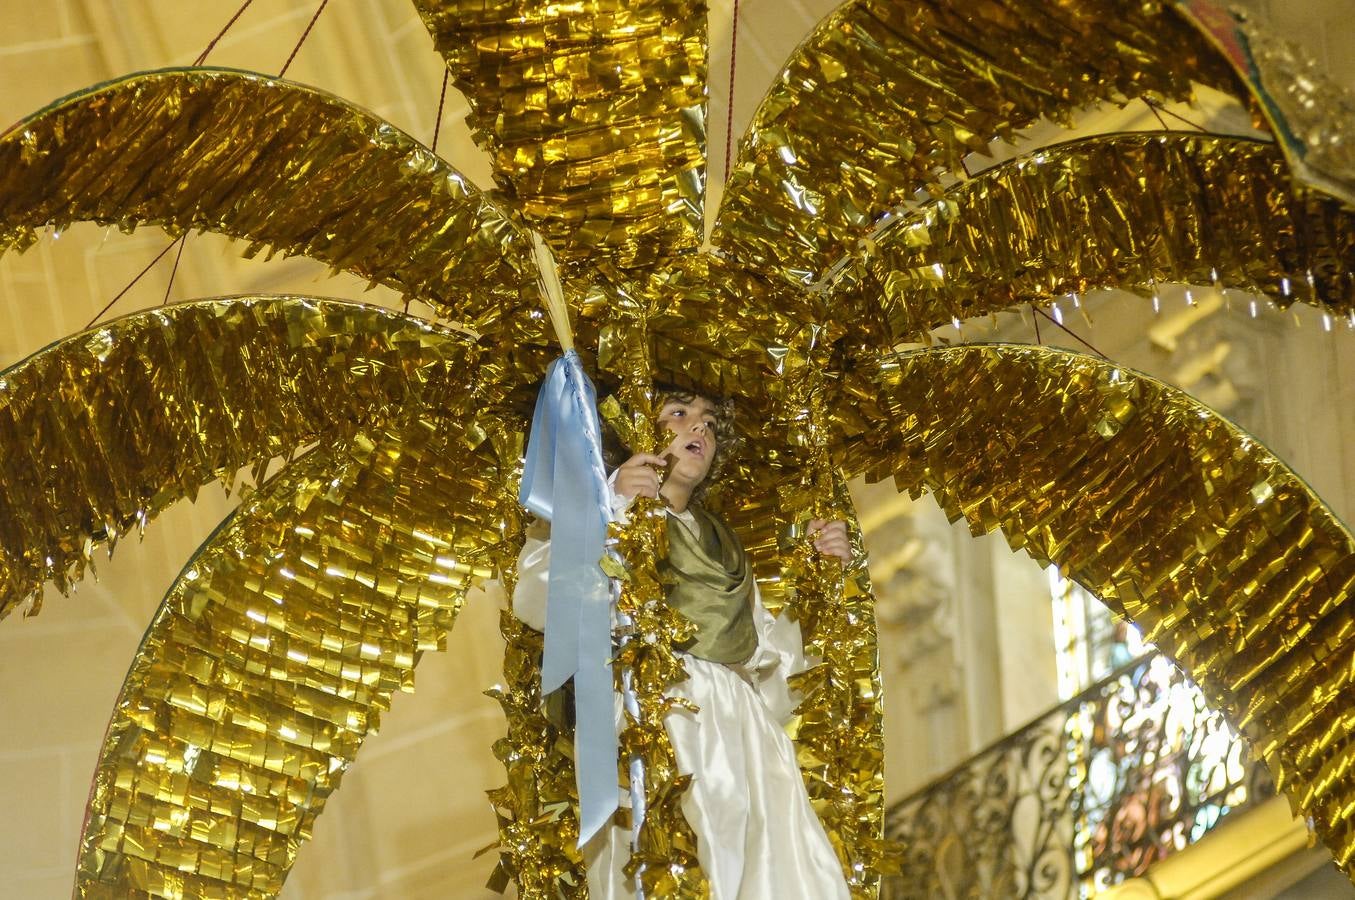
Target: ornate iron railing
<point>1091,793</point>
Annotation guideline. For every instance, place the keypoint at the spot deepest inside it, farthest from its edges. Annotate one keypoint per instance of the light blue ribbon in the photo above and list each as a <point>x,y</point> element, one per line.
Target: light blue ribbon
<point>565,482</point>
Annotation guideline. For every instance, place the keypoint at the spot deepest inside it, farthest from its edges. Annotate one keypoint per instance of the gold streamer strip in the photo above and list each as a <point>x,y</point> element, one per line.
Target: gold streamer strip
<point>283,166</point>
<point>593,113</point>
<point>1181,522</point>
<point>839,726</point>
<point>274,654</point>
<point>885,98</point>
<point>1111,211</point>
<point>666,844</point>
<point>101,431</point>
<point>537,807</point>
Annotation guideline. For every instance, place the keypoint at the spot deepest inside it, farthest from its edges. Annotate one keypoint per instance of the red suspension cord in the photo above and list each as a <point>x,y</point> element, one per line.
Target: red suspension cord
<point>305,34</point>
<point>159,256</point>
<point>729,113</point>
<point>202,57</point>
<point>442,99</point>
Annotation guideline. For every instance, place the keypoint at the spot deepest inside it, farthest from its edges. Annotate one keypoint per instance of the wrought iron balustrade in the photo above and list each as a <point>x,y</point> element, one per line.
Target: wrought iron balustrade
<point>1091,793</point>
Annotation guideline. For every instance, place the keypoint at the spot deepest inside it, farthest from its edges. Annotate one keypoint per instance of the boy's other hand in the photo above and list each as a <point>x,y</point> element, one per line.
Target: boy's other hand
<point>639,476</point>
<point>830,538</point>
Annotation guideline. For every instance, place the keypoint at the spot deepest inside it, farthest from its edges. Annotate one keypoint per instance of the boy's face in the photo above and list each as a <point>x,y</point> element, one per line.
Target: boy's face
<point>692,424</point>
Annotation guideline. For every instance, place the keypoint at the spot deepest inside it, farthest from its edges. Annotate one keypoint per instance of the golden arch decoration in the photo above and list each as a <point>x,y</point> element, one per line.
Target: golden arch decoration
<point>284,166</point>
<point>163,402</point>
<point>886,99</point>
<point>1115,211</point>
<point>1175,517</point>
<point>276,650</point>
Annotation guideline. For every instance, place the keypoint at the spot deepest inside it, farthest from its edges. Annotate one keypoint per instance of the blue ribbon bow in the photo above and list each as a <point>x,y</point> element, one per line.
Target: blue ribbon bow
<point>564,482</point>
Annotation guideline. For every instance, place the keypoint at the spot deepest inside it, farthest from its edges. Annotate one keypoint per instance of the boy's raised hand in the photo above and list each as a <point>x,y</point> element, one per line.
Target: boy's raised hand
<point>639,476</point>
<point>830,538</point>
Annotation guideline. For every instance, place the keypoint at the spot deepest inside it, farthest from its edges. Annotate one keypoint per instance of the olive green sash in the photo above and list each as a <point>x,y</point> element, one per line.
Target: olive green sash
<point>711,584</point>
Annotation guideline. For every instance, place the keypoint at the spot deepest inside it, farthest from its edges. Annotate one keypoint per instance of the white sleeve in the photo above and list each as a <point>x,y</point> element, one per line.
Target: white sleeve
<point>529,597</point>
<point>780,654</point>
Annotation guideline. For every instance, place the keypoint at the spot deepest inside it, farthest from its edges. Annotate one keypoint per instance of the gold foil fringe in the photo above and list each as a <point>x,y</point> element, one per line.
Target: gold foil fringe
<point>883,99</point>
<point>285,167</point>
<point>666,846</point>
<point>104,429</point>
<point>1181,522</point>
<point>593,113</point>
<point>711,325</point>
<point>275,652</point>
<point>1127,211</point>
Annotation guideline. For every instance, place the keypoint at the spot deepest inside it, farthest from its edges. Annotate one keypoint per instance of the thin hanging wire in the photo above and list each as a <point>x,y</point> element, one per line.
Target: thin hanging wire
<point>305,34</point>
<point>1158,115</point>
<point>99,315</point>
<point>1073,334</point>
<point>182,242</point>
<point>729,113</point>
<point>202,57</point>
<point>442,100</point>
<point>1157,108</point>
<point>1034,319</point>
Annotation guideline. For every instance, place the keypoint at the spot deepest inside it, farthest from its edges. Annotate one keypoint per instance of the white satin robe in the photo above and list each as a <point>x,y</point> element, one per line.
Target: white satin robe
<point>758,838</point>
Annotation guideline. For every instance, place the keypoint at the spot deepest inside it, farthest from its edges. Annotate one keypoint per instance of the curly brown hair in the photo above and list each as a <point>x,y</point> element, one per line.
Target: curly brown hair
<point>727,438</point>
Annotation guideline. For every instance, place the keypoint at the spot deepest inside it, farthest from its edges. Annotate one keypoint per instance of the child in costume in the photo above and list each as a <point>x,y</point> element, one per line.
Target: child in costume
<point>757,835</point>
